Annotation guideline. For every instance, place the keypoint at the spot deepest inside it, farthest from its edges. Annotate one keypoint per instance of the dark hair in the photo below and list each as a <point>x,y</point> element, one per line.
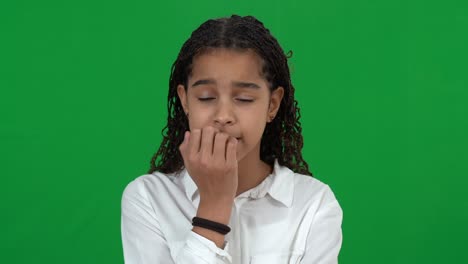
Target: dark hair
<point>240,33</point>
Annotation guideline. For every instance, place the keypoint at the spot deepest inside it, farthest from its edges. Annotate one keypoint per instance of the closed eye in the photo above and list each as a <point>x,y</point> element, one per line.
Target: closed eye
<point>239,99</point>
<point>245,100</point>
<point>205,99</point>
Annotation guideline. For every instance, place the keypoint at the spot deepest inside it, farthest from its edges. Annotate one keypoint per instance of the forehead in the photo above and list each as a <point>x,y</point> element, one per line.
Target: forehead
<point>227,65</point>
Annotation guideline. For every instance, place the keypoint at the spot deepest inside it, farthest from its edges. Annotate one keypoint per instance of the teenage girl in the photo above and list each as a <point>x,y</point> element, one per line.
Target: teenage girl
<point>229,183</point>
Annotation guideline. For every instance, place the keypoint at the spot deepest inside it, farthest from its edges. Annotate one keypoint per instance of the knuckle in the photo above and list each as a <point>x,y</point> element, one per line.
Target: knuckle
<point>192,158</point>
<point>228,168</point>
<point>204,161</point>
<point>183,147</point>
<point>207,133</point>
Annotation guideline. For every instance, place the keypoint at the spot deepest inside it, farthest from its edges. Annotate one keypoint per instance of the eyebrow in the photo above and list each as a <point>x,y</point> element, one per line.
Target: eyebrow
<point>236,84</point>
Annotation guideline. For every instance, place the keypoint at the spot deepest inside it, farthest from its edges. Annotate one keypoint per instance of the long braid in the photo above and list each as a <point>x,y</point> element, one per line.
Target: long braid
<point>236,33</point>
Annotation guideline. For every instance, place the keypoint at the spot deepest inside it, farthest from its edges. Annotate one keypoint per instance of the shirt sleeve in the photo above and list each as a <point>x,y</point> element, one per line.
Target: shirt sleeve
<point>143,240</point>
<point>325,235</point>
<point>200,247</point>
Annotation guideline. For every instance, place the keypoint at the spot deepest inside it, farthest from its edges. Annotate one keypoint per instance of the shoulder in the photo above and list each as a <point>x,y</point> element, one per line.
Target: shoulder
<point>144,185</point>
<point>308,189</point>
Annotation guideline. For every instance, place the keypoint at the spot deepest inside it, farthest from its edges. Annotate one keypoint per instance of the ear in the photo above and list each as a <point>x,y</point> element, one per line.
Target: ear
<point>275,102</point>
<point>182,96</point>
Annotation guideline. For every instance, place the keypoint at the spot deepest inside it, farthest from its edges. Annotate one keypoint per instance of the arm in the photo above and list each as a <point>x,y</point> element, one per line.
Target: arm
<point>142,239</point>
<point>218,211</point>
<point>144,242</point>
<point>325,236</point>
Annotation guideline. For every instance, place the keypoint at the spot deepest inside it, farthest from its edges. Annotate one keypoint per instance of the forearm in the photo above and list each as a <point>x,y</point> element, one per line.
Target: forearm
<point>217,211</point>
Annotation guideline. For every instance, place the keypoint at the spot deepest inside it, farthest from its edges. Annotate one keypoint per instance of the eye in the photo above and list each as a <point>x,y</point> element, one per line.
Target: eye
<point>205,99</point>
<point>245,100</point>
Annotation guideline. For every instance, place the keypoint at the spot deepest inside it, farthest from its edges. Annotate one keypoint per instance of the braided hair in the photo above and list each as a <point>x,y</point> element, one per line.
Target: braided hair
<point>239,33</point>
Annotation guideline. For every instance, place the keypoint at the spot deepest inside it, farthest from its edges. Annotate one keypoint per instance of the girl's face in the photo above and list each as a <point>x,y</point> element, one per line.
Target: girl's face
<point>227,91</point>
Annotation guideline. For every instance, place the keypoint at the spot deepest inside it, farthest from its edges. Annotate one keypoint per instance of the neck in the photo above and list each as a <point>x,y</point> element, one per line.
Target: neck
<point>251,172</point>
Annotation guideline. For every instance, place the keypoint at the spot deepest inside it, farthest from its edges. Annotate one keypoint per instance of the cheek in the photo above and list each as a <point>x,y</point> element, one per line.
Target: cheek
<point>198,118</point>
<point>253,128</point>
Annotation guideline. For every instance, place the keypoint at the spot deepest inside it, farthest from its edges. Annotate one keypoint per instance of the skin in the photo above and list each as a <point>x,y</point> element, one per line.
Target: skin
<point>228,104</point>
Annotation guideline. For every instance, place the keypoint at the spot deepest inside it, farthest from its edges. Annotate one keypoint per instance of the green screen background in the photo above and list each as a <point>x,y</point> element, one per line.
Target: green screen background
<point>382,87</point>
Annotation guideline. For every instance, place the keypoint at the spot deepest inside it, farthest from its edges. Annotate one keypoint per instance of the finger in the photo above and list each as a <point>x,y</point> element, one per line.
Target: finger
<point>184,144</point>
<point>207,141</point>
<point>194,142</point>
<point>231,152</point>
<point>219,148</point>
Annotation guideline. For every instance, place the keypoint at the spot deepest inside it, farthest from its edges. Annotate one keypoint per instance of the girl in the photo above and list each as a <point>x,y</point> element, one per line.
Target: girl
<point>229,183</point>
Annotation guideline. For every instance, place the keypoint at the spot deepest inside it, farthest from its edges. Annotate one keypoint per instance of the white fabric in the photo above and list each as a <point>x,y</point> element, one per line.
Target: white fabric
<point>287,218</point>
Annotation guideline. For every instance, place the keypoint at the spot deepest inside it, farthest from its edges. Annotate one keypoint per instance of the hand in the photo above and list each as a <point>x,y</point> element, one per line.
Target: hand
<point>210,158</point>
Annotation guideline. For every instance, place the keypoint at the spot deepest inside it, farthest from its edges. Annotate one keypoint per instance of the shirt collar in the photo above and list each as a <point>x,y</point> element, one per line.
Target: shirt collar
<point>279,184</point>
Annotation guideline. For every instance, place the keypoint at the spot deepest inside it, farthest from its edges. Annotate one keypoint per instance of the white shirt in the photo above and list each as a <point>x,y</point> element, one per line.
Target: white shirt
<point>287,218</point>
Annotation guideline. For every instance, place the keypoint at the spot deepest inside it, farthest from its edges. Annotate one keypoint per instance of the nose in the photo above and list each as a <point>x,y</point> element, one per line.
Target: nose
<point>224,114</point>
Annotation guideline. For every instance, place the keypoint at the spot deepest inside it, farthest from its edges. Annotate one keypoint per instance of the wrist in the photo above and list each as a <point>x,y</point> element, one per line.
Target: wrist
<point>215,211</point>
<point>211,225</point>
<point>216,200</point>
